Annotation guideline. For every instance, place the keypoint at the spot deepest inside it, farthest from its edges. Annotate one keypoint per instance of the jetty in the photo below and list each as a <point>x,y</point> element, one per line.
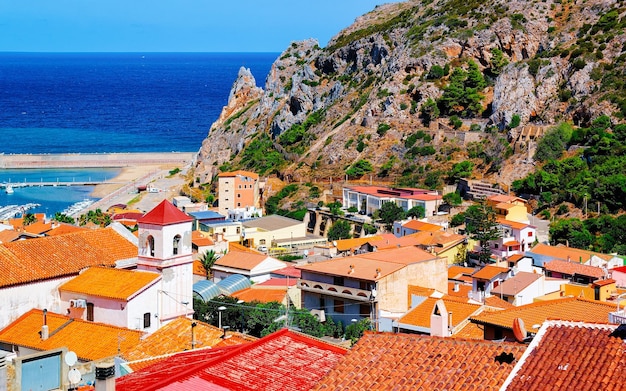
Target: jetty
<point>15,185</point>
<point>94,160</point>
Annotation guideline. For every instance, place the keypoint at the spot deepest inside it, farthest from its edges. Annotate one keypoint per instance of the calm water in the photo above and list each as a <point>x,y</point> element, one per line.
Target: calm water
<point>113,102</point>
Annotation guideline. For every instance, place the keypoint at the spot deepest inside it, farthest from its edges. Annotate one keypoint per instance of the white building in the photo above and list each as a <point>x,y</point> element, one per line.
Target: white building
<point>165,248</point>
<point>368,199</point>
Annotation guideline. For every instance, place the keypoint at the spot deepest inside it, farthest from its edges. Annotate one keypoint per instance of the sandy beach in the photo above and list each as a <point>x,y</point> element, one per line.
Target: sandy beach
<point>127,175</point>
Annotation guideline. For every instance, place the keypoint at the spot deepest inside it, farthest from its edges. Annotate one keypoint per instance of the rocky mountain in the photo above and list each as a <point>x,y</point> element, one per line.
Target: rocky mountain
<point>413,93</point>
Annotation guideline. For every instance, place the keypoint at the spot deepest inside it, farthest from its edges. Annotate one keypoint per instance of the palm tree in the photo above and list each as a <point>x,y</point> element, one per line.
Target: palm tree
<point>29,219</point>
<point>208,259</point>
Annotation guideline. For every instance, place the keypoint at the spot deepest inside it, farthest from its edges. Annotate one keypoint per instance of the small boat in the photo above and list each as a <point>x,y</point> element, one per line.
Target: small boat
<point>9,189</point>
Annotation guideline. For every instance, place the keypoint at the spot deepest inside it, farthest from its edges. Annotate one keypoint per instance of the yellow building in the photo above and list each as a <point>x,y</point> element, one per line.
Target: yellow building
<point>509,207</point>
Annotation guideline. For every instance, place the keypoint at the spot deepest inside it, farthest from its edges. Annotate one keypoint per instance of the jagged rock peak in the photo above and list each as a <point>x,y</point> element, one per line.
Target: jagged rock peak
<point>244,85</point>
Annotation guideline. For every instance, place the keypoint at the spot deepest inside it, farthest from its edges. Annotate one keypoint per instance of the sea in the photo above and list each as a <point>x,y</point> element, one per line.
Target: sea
<point>108,102</point>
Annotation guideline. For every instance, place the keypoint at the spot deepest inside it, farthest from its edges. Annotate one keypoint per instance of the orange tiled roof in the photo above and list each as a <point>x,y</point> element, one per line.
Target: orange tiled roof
<point>64,228</point>
<point>110,283</point>
<point>488,272</point>
<point>571,268</point>
<point>174,337</point>
<point>242,260</point>
<point>262,295</point>
<point>440,240</point>
<point>25,261</point>
<point>420,315</point>
<point>454,272</point>
<point>200,240</point>
<point>422,226</point>
<point>237,173</point>
<point>514,285</point>
<point>370,266</point>
<point>89,340</point>
<point>463,289</point>
<point>9,235</point>
<point>198,269</point>
<point>388,361</point>
<point>349,244</point>
<point>391,241</point>
<point>38,227</point>
<point>470,331</point>
<point>234,246</point>
<point>564,253</point>
<point>496,302</point>
<point>513,224</point>
<point>571,308</point>
<point>505,198</point>
<point>570,356</point>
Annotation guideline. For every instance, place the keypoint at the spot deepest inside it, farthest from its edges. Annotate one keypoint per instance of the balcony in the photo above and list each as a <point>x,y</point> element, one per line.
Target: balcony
<point>617,317</point>
<point>336,291</point>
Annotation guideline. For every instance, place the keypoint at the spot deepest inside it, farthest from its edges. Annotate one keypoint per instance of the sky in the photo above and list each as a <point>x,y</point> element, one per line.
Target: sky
<point>171,25</point>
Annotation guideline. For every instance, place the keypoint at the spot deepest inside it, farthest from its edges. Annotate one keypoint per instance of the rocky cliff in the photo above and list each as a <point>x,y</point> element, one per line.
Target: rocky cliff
<point>412,88</point>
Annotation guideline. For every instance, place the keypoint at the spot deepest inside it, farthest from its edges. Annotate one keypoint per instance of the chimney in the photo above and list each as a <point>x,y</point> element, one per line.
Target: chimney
<point>439,320</point>
<point>351,269</point>
<point>456,287</point>
<point>44,329</point>
<point>193,335</point>
<point>377,272</point>
<point>105,377</point>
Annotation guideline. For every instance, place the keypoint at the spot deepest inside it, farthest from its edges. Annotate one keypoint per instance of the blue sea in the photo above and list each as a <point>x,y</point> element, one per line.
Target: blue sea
<point>109,102</point>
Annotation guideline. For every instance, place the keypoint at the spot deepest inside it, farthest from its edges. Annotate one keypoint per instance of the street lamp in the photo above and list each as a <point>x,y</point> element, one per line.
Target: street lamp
<point>220,309</point>
<point>241,311</point>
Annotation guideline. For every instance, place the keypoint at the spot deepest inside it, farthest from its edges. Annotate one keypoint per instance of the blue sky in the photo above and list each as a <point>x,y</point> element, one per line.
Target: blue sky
<point>172,25</point>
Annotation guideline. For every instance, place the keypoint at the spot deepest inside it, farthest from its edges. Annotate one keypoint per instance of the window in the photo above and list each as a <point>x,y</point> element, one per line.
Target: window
<point>150,242</point>
<point>175,244</point>
<point>146,320</point>
<point>339,306</point>
<point>238,195</point>
<point>338,280</point>
<point>238,204</point>
<point>363,285</point>
<point>90,312</point>
<point>238,230</point>
<point>530,234</point>
<point>240,186</point>
<point>364,310</point>
<point>262,241</point>
<point>322,303</point>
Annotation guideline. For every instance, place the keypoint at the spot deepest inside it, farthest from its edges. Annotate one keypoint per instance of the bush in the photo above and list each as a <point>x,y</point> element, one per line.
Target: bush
<point>359,169</point>
<point>382,129</point>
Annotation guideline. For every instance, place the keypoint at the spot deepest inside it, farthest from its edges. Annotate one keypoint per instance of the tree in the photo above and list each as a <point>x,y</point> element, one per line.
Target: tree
<point>335,208</point>
<point>553,143</point>
<point>95,216</point>
<point>460,170</point>
<point>498,61</point>
<point>418,212</point>
<point>29,219</point>
<point>339,230</point>
<point>359,169</point>
<point>481,224</point>
<point>369,229</point>
<point>63,218</point>
<point>453,199</point>
<point>429,111</point>
<point>389,213</point>
<point>355,330</point>
<point>208,259</point>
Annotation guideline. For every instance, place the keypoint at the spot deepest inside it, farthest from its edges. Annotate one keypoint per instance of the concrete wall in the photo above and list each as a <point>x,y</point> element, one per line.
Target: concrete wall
<point>17,300</point>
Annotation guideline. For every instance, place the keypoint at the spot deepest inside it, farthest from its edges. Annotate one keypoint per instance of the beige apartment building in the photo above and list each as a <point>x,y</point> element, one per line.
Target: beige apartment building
<point>237,189</point>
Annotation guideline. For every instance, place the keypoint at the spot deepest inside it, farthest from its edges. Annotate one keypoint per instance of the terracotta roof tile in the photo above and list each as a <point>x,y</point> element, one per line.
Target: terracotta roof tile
<point>25,261</point>
<point>420,315</point>
<point>572,268</point>
<point>513,224</point>
<point>489,272</point>
<point>289,271</point>
<point>455,271</point>
<point>422,226</point>
<point>386,361</point>
<point>462,289</point>
<point>174,337</point>
<point>238,173</point>
<point>571,308</point>
<point>38,227</point>
<point>200,240</point>
<point>278,282</point>
<point>470,331</point>
<point>262,295</point>
<point>565,253</point>
<point>370,266</point>
<point>89,340</point>
<point>110,283</point>
<point>283,360</point>
<point>163,214</point>
<point>349,244</point>
<point>198,269</point>
<point>496,302</point>
<point>569,356</point>
<point>64,228</point>
<point>243,260</point>
<point>401,193</point>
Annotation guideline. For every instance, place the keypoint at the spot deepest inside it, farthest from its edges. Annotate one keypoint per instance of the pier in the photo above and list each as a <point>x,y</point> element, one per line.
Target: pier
<point>15,185</point>
<point>94,160</point>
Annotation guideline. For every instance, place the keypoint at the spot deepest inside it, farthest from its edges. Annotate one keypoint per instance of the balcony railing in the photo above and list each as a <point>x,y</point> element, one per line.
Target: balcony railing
<point>617,317</point>
<point>336,290</point>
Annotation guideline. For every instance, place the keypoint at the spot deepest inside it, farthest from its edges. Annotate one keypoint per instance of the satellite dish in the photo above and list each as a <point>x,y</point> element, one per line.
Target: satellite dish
<point>519,331</point>
<point>70,358</point>
<point>74,376</point>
